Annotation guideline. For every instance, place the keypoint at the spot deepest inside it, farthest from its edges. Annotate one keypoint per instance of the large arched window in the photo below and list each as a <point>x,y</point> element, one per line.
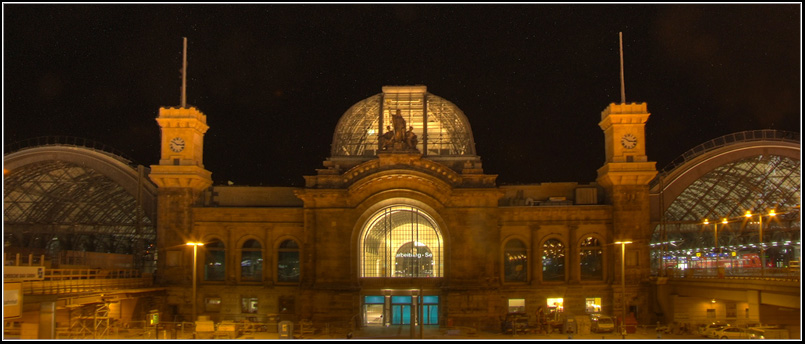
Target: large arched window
<point>515,262</point>
<point>251,261</point>
<point>553,260</point>
<point>214,261</point>
<point>592,259</point>
<point>401,241</point>
<point>288,269</point>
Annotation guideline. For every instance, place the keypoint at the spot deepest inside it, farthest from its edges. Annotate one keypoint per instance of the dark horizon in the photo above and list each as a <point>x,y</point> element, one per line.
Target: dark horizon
<point>273,80</point>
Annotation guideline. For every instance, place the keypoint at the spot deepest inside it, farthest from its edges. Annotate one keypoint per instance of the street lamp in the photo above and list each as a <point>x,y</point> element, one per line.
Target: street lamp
<point>762,249</point>
<point>715,227</point>
<point>195,267</point>
<point>623,283</point>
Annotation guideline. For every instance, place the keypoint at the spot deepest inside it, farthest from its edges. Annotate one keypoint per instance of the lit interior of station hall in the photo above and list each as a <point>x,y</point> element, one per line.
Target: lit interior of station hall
<point>402,228</point>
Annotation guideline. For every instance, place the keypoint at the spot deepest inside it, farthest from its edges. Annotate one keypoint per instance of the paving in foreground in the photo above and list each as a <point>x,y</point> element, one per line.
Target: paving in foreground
<point>435,333</point>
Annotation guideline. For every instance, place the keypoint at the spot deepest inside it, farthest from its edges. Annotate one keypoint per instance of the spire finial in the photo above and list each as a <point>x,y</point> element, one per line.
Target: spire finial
<point>184,74</point>
<point>623,83</point>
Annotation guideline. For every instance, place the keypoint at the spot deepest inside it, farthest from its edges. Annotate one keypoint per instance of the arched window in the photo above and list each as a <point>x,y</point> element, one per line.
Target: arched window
<point>214,261</point>
<point>288,269</point>
<point>401,241</point>
<point>592,259</point>
<point>553,260</point>
<point>515,262</point>
<point>251,261</point>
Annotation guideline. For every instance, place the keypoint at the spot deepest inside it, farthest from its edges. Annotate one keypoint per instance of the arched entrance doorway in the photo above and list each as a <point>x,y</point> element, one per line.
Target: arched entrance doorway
<point>401,241</point>
<point>399,245</point>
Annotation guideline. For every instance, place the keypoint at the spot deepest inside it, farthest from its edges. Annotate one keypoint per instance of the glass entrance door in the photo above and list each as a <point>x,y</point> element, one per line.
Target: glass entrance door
<point>401,314</point>
<point>401,310</point>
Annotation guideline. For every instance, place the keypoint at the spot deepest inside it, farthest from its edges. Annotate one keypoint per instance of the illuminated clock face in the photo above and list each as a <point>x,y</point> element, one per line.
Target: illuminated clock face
<point>177,144</point>
<point>629,141</point>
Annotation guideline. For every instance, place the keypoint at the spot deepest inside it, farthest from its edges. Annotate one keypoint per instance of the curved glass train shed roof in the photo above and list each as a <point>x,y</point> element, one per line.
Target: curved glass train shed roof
<point>441,127</point>
<point>754,172</point>
<point>60,197</point>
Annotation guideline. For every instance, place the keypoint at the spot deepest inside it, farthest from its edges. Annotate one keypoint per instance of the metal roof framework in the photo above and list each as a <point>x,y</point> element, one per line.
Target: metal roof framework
<point>52,205</point>
<point>756,184</point>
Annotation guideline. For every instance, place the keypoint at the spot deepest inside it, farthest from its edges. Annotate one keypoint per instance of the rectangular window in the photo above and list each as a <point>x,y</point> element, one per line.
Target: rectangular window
<point>711,314</point>
<point>248,305</point>
<point>517,305</point>
<point>557,304</point>
<point>430,300</point>
<point>374,299</point>
<point>374,314</point>
<point>212,304</point>
<point>593,305</point>
<point>401,299</point>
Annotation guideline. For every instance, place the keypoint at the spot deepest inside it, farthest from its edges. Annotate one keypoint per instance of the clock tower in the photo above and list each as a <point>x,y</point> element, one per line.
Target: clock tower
<point>181,180</point>
<point>625,177</point>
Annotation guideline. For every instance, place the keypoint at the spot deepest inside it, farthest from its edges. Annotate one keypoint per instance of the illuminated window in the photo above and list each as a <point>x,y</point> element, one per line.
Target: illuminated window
<point>288,262</point>
<point>591,260</point>
<point>593,304</point>
<point>373,309</point>
<point>515,262</point>
<point>215,261</point>
<point>248,305</point>
<point>441,127</point>
<point>556,304</point>
<point>401,241</point>
<point>251,261</point>
<point>516,305</point>
<point>553,260</point>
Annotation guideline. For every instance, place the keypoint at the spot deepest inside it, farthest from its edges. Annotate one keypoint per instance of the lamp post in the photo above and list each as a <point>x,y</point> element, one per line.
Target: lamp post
<point>623,283</point>
<point>715,227</point>
<point>762,249</point>
<point>195,267</point>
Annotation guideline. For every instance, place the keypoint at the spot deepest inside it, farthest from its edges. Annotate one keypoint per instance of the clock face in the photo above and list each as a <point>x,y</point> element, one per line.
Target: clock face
<point>629,141</point>
<point>177,144</point>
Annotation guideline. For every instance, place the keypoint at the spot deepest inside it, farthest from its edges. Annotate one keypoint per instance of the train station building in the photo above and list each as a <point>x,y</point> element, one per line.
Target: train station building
<point>402,226</point>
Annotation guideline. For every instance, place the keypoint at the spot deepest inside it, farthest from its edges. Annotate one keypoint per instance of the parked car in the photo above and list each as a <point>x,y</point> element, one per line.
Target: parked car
<point>705,330</point>
<point>515,322</point>
<point>767,333</point>
<point>730,333</point>
<point>601,323</point>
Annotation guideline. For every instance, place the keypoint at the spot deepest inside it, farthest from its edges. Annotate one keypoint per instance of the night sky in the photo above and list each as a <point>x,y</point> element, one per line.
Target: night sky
<point>273,80</point>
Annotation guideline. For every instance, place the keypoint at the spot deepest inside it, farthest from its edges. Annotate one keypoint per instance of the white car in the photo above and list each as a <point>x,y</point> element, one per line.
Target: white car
<point>708,329</point>
<point>730,333</point>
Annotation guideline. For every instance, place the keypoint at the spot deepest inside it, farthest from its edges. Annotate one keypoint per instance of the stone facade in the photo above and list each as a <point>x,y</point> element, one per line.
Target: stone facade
<point>474,221</point>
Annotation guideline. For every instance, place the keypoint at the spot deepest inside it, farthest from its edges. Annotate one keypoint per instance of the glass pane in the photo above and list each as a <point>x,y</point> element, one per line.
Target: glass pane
<point>214,264</point>
<point>401,241</point>
<point>553,261</point>
<point>591,259</point>
<point>401,299</point>
<point>374,299</point>
<point>430,299</point>
<point>288,267</point>
<point>251,266</point>
<point>515,262</point>
<point>374,314</point>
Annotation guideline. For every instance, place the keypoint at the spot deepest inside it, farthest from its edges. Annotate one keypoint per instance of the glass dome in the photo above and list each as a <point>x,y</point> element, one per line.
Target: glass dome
<point>447,133</point>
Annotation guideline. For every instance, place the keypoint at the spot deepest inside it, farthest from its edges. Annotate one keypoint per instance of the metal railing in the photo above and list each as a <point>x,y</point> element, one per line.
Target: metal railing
<point>67,141</point>
<point>65,281</point>
<point>743,136</point>
<point>771,274</point>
